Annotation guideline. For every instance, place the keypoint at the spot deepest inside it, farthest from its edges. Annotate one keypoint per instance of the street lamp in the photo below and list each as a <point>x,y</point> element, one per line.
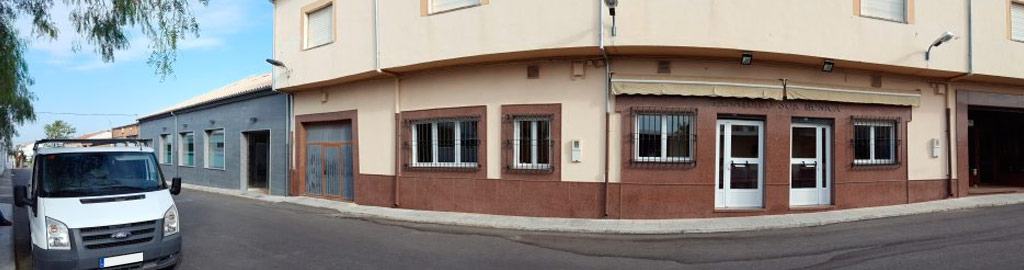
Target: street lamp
<point>947,36</point>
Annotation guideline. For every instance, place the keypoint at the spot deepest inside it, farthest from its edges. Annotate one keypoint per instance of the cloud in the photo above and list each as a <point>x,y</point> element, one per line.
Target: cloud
<point>217,23</point>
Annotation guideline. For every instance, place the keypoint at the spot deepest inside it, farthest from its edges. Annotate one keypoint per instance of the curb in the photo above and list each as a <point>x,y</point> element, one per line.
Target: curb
<point>632,226</point>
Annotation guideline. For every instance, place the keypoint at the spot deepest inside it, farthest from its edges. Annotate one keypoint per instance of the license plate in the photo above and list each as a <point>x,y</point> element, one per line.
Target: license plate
<point>120,260</point>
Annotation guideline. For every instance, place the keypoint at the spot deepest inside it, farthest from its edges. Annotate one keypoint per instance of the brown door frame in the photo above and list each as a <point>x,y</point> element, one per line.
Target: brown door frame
<point>300,147</point>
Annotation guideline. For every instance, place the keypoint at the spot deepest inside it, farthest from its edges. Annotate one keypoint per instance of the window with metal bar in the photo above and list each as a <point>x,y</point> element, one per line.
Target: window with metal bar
<point>874,142</point>
<point>664,138</point>
<point>531,143</point>
<point>445,143</point>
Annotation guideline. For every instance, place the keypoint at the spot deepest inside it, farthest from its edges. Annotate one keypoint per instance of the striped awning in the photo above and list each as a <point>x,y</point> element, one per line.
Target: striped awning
<point>696,86</point>
<point>756,89</point>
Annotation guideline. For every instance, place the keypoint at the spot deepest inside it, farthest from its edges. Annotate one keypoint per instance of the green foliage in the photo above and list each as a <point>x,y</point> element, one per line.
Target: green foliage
<point>58,130</point>
<point>104,24</point>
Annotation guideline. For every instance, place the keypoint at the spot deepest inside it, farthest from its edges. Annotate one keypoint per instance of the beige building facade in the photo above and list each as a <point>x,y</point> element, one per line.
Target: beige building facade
<point>668,109</point>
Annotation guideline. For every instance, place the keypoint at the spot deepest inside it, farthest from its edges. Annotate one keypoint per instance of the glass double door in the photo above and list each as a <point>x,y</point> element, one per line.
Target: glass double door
<point>740,164</point>
<point>810,165</point>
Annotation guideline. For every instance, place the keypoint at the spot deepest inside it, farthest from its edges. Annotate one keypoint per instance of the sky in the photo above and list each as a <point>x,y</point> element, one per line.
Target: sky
<point>236,36</point>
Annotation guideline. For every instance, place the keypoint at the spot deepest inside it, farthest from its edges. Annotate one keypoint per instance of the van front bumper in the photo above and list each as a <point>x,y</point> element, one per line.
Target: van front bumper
<point>158,254</point>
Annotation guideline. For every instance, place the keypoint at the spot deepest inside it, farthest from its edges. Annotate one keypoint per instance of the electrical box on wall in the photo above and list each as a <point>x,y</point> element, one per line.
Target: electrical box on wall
<point>576,151</point>
<point>936,148</point>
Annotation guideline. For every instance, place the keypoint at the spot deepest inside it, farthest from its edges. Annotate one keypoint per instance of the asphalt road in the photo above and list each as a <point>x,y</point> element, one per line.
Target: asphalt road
<point>224,232</point>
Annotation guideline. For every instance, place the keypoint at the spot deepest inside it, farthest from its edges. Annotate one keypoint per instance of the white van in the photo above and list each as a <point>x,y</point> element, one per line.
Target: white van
<point>100,204</point>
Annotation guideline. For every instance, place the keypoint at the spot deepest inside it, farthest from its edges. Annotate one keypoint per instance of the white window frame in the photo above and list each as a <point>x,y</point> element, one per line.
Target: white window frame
<point>434,145</point>
<point>871,160</point>
<point>516,140</point>
<point>329,6</point>
<point>432,8</point>
<point>166,140</point>
<point>906,12</point>
<point>664,139</point>
<point>208,149</point>
<point>181,149</point>
<point>1017,6</point>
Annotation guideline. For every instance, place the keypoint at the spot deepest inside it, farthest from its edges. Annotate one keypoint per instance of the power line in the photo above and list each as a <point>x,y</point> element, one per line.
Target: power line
<point>87,115</point>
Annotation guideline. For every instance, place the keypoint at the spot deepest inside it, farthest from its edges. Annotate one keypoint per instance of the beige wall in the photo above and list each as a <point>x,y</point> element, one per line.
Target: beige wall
<point>350,53</point>
<point>826,29</point>
<point>375,102</point>
<point>994,52</point>
<point>582,106</point>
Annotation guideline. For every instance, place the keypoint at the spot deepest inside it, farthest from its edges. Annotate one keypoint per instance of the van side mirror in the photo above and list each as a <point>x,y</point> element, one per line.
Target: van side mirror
<point>176,186</point>
<point>21,197</point>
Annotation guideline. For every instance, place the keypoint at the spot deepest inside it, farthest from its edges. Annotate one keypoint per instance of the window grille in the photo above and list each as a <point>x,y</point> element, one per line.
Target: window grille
<point>663,137</point>
<point>875,141</point>
<point>444,143</point>
<point>1017,21</point>
<point>532,148</point>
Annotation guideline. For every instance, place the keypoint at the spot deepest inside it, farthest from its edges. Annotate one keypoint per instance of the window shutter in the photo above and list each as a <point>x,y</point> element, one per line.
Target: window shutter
<point>894,10</point>
<point>1017,21</point>
<point>444,5</point>
<point>319,27</point>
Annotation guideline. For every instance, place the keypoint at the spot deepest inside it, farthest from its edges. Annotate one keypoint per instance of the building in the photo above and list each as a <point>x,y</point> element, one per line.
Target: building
<point>231,137</point>
<point>129,131</point>
<point>668,109</point>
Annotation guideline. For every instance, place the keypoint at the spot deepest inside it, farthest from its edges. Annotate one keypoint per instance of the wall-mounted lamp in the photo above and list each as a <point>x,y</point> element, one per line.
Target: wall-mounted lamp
<point>276,63</point>
<point>252,119</point>
<point>828,66</point>
<point>612,4</point>
<point>947,36</point>
<point>212,122</point>
<point>746,59</point>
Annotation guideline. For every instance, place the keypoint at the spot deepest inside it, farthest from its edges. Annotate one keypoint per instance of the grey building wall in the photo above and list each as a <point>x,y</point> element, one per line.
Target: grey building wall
<point>234,116</point>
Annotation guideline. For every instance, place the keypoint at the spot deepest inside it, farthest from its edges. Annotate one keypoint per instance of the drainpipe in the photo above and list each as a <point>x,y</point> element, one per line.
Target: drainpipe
<point>607,104</point>
<point>398,111</point>
<point>952,190</point>
<point>174,141</point>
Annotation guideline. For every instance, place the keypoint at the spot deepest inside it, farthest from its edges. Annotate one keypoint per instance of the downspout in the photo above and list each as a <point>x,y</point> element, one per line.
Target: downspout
<point>174,140</point>
<point>952,190</point>
<point>607,104</point>
<point>398,111</point>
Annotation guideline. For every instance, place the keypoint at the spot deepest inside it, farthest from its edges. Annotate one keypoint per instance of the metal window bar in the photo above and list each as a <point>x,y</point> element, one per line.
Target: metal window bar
<point>875,141</point>
<point>446,143</point>
<point>531,149</point>
<point>663,137</point>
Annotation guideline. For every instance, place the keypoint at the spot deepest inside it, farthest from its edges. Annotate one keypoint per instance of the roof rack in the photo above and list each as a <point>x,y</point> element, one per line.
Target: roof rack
<point>91,142</point>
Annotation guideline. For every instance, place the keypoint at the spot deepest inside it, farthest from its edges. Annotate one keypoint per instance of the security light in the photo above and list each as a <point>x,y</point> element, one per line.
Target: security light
<point>276,63</point>
<point>945,37</point>
<point>828,66</point>
<point>746,58</point>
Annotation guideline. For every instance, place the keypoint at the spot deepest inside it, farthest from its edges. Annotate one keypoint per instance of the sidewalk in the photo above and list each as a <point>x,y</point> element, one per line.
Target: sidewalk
<point>6,233</point>
<point>628,226</point>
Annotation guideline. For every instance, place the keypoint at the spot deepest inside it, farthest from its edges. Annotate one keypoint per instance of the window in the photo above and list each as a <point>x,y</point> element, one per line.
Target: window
<point>187,150</point>
<point>445,143</point>
<point>166,149</point>
<point>1017,21</point>
<point>446,5</point>
<point>531,143</point>
<point>890,10</point>
<point>319,27</point>
<point>663,138</point>
<point>215,149</point>
<point>874,142</point>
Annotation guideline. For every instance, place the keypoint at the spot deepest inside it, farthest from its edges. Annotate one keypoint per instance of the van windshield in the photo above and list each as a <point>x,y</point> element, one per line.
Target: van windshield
<point>97,174</point>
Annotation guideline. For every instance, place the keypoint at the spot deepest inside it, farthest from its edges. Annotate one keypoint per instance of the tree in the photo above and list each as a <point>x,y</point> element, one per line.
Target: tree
<point>104,24</point>
<point>58,130</point>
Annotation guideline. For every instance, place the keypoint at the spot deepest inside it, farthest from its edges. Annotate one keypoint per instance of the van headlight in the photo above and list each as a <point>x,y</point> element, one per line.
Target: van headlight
<point>171,221</point>
<point>57,235</point>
